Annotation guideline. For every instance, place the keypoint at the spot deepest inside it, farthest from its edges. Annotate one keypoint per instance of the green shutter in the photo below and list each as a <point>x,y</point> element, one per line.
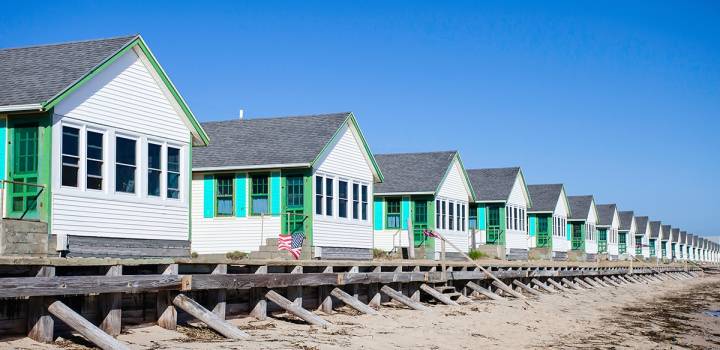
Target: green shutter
<point>241,195</point>
<point>404,212</point>
<point>482,224</point>
<point>533,223</point>
<point>275,190</point>
<point>208,196</point>
<point>569,232</point>
<point>378,213</point>
<point>3,146</point>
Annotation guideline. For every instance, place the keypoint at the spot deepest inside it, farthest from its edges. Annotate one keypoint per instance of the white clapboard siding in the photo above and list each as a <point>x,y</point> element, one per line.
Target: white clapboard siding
<point>455,185</point>
<point>591,247</point>
<point>78,215</point>
<point>222,235</point>
<point>389,239</point>
<point>561,244</point>
<point>344,159</point>
<point>126,96</point>
<point>518,194</point>
<point>592,215</point>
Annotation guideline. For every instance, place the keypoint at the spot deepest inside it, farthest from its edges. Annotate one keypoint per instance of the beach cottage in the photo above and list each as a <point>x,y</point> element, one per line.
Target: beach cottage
<point>607,230</point>
<point>549,237</point>
<point>675,244</point>
<point>642,237</point>
<point>583,221</point>
<point>626,234</point>
<point>502,200</point>
<point>654,240</point>
<point>690,247</point>
<point>97,143</point>
<point>665,240</point>
<point>683,245</point>
<point>422,191</point>
<point>311,175</point>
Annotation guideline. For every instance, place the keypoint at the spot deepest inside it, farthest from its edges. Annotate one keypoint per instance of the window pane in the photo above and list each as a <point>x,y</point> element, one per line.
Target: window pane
<point>342,198</point>
<point>69,175</point>
<point>154,169</point>
<point>224,195</point>
<point>125,178</point>
<point>70,141</point>
<point>260,205</point>
<point>173,159</point>
<point>94,145</point>
<point>153,183</point>
<point>319,195</point>
<point>356,201</point>
<point>259,202</point>
<point>94,162</point>
<point>329,197</point>
<point>70,153</point>
<point>364,202</point>
<point>173,173</point>
<point>125,151</point>
<point>154,156</point>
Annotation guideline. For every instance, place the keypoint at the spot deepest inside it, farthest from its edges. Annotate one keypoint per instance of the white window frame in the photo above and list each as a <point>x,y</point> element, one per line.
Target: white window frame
<point>103,168</point>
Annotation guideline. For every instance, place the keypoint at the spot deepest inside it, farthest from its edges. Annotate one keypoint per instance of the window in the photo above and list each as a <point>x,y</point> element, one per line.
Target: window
<point>355,201</point>
<point>342,199</point>
<point>94,160</point>
<point>451,216</point>
<point>392,219</point>
<point>462,218</point>
<point>508,218</point>
<point>125,164</point>
<point>319,199</point>
<point>515,219</point>
<point>542,225</point>
<point>364,199</point>
<point>443,220</point>
<point>329,197</point>
<point>438,214</point>
<point>154,170</point>
<point>70,156</point>
<point>522,220</point>
<point>472,218</point>
<point>459,217</point>
<point>173,172</point>
<point>224,201</point>
<point>259,195</point>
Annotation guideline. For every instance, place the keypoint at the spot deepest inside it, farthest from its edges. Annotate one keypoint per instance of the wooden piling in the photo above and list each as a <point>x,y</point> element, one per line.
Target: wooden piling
<point>208,317</point>
<point>167,315</point>
<point>218,296</point>
<point>111,307</point>
<point>296,310</point>
<point>543,286</point>
<point>484,291</point>
<point>505,288</point>
<point>257,296</point>
<point>352,301</point>
<point>583,283</point>
<point>557,285</point>
<point>41,325</point>
<point>401,298</point>
<point>94,334</point>
<point>437,295</point>
<point>526,288</point>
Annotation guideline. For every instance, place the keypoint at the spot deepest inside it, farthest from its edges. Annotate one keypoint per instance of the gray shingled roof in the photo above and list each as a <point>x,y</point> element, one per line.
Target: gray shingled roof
<point>655,229</point>
<point>676,235</point>
<point>33,75</point>
<point>580,206</point>
<point>413,172</point>
<point>641,224</point>
<point>665,229</point>
<point>605,214</point>
<point>544,198</point>
<point>625,220</point>
<point>493,184</point>
<point>683,237</point>
<point>242,143</point>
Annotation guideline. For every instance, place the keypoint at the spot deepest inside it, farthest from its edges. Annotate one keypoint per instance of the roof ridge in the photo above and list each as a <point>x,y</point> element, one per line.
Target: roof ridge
<point>297,116</point>
<point>500,168</point>
<point>409,153</point>
<point>69,42</point>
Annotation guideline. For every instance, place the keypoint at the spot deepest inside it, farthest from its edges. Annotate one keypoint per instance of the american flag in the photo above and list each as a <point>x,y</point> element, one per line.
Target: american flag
<point>292,243</point>
<point>431,233</point>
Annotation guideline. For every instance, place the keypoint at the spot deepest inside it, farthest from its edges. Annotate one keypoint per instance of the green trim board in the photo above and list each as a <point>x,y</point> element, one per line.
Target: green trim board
<point>3,153</point>
<point>208,196</point>
<point>140,43</point>
<point>404,212</point>
<point>378,215</point>
<point>241,195</point>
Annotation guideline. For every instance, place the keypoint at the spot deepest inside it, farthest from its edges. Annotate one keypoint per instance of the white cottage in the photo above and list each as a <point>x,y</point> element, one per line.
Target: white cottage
<point>642,237</point>
<point>654,241</point>
<point>311,175</point>
<point>583,223</point>
<point>665,242</point>
<point>608,225</point>
<point>675,244</point>
<point>548,221</point>
<point>501,204</point>
<point>626,235</point>
<point>423,191</point>
<point>97,143</point>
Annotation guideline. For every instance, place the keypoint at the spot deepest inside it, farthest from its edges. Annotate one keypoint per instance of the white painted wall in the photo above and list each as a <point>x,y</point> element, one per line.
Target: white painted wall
<point>126,99</point>
<point>591,244</point>
<point>613,230</point>
<point>344,159</point>
<point>561,244</point>
<point>455,189</point>
<point>518,239</point>
<point>631,237</point>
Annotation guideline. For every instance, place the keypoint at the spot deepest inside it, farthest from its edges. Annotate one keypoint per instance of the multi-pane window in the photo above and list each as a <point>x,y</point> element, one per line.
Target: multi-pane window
<point>364,199</point>
<point>355,201</point>
<point>515,219</point>
<point>438,214</point>
<point>451,216</point>
<point>259,198</point>
<point>522,220</point>
<point>472,218</point>
<point>392,219</point>
<point>173,172</point>
<point>295,192</point>
<point>224,195</point>
<point>342,199</point>
<point>154,170</point>
<point>443,220</point>
<point>542,224</point>
<point>125,164</point>
<point>329,197</point>
<point>94,160</point>
<point>70,156</point>
<point>462,217</point>
<point>319,198</point>
<point>458,216</point>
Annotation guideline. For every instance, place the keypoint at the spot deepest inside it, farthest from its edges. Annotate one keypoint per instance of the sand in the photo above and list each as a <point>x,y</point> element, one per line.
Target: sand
<point>649,316</point>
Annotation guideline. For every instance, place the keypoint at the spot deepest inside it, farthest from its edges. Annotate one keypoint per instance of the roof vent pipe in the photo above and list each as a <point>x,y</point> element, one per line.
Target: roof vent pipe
<point>241,114</point>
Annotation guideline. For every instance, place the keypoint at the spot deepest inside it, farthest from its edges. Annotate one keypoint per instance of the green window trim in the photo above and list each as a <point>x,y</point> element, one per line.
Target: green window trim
<point>259,193</point>
<point>392,213</point>
<point>224,195</point>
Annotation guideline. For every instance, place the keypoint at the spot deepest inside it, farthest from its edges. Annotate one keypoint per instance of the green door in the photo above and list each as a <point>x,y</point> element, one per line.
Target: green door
<point>543,234</point>
<point>420,224</point>
<point>494,228</point>
<point>294,205</point>
<point>23,170</point>
<point>578,241</point>
<point>602,241</point>
<point>622,243</point>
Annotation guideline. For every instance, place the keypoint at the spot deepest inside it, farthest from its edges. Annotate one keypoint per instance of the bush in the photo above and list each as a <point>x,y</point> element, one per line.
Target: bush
<point>194,255</point>
<point>235,255</point>
<point>477,255</point>
<point>379,254</point>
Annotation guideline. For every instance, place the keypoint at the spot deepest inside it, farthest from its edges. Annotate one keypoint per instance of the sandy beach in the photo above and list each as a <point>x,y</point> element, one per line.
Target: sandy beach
<point>657,315</point>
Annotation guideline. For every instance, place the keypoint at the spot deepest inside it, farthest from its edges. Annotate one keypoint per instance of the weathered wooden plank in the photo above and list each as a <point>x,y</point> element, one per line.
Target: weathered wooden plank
<point>583,283</point>
<point>69,285</point>
<point>352,301</point>
<point>437,295</point>
<point>543,286</point>
<point>557,285</point>
<point>600,282</point>
<point>526,288</point>
<point>484,291</point>
<point>610,282</point>
<point>208,317</point>
<point>218,296</point>
<point>111,307</point>
<point>399,297</point>
<point>571,284</point>
<point>40,324</point>
<point>505,288</point>
<point>84,327</point>
<point>296,310</point>
<point>166,313</point>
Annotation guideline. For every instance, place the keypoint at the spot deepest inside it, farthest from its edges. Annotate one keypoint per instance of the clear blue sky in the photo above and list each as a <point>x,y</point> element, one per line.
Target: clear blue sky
<point>618,100</point>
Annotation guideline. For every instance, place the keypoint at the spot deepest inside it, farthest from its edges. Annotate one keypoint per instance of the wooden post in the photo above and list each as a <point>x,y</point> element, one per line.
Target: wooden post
<point>208,317</point>
<point>296,310</point>
<point>259,310</point>
<point>543,286</point>
<point>600,282</point>
<point>218,296</point>
<point>610,281</point>
<point>374,292</point>
<point>111,307</point>
<point>484,291</point>
<point>571,284</point>
<point>557,285</point>
<point>40,324</point>
<point>295,294</point>
<point>326,302</point>
<point>590,282</point>
<point>167,315</point>
<point>443,263</point>
<point>352,301</point>
<point>526,288</point>
<point>411,239</point>
<point>583,283</point>
<point>437,295</point>
<point>84,327</point>
<point>399,297</point>
<point>505,288</point>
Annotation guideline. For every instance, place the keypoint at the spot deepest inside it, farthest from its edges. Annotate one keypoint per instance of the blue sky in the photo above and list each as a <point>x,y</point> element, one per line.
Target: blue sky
<point>616,99</point>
